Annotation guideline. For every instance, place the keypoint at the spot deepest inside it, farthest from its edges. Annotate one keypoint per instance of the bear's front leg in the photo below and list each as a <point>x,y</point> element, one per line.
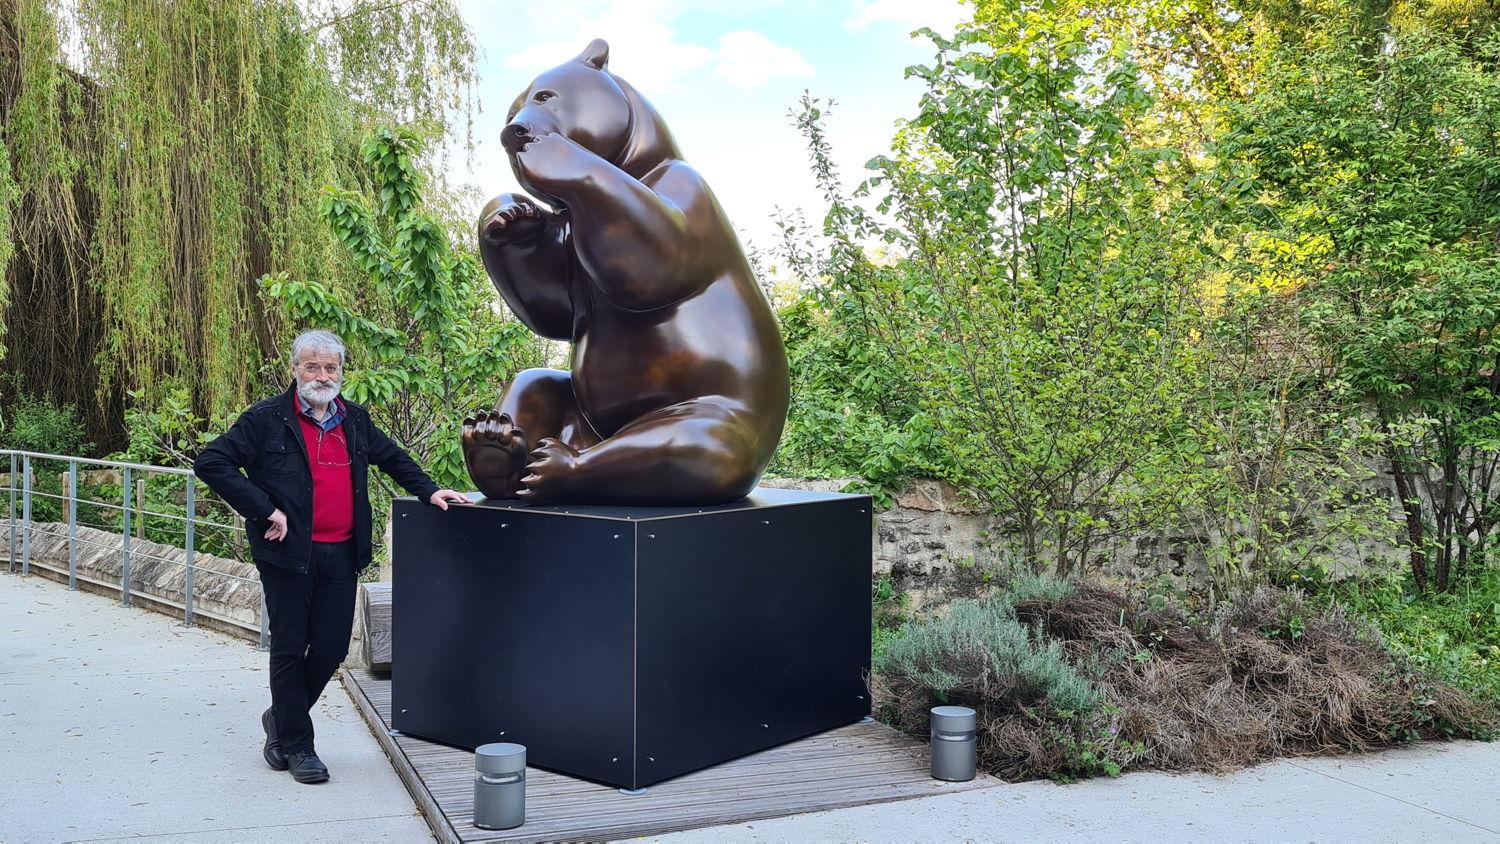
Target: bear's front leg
<point>554,163</point>
<point>550,472</point>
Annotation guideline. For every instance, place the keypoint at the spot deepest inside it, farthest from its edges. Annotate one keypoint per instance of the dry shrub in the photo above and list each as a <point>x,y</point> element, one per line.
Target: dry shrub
<point>1264,676</point>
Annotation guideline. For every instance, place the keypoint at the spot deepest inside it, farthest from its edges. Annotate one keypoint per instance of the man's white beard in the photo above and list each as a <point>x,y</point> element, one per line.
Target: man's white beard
<point>318,392</point>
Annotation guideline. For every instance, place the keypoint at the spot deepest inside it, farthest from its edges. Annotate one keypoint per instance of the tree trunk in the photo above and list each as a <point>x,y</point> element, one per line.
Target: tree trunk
<point>1412,507</point>
<point>1448,520</point>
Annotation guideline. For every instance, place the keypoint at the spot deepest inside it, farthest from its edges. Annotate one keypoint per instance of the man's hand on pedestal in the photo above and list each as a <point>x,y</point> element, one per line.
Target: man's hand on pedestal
<point>443,497</point>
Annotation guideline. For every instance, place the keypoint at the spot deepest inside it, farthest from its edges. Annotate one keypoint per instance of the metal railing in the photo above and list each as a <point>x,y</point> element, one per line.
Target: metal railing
<point>23,463</point>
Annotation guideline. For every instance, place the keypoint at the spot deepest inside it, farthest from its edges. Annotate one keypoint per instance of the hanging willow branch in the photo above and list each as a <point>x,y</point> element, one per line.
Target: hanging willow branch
<point>170,157</point>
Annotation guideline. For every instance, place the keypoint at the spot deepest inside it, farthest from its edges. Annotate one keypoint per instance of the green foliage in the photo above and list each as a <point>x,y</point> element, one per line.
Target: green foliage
<point>1454,637</point>
<point>977,644</point>
<point>427,344</point>
<point>7,243</point>
<point>850,401</point>
<point>1366,181</point>
<point>1274,468</point>
<point>889,610</point>
<point>38,424</point>
<point>1111,297</point>
<point>172,156</point>
<point>1030,320</point>
<point>978,654</point>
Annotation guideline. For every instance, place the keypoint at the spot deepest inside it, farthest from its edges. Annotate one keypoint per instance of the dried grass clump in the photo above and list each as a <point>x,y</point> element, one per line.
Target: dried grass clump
<point>1084,679</point>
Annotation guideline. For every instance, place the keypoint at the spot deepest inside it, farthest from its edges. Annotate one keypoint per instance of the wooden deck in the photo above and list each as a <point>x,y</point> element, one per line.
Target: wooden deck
<point>850,766</point>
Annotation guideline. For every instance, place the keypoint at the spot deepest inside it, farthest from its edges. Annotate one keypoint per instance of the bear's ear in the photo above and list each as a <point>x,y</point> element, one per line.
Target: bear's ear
<point>596,54</point>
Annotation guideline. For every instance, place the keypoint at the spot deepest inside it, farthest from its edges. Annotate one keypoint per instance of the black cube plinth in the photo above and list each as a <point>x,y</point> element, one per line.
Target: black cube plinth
<point>629,645</point>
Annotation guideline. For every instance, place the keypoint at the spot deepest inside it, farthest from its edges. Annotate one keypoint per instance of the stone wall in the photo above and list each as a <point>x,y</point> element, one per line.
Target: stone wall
<point>919,541</point>
<point>932,530</point>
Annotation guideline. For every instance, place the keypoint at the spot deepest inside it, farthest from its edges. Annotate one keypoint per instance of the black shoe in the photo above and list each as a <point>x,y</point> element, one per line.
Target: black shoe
<point>307,767</point>
<point>272,751</point>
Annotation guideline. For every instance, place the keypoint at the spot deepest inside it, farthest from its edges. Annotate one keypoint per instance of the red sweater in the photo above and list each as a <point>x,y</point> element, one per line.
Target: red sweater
<point>333,482</point>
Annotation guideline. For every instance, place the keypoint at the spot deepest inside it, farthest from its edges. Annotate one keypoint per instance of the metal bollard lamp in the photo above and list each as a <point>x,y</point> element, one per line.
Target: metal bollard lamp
<point>499,786</point>
<point>953,743</point>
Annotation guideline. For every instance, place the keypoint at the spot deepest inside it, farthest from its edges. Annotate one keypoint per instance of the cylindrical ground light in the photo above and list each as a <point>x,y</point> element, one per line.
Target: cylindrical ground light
<point>953,743</point>
<point>499,786</point>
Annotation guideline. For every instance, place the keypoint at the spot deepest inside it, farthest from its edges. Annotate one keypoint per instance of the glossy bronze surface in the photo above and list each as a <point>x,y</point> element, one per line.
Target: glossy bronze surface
<point>678,389</point>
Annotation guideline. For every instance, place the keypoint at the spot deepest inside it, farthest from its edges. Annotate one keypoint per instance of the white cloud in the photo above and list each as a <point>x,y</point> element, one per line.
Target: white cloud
<point>749,60</point>
<point>942,16</point>
<point>649,54</point>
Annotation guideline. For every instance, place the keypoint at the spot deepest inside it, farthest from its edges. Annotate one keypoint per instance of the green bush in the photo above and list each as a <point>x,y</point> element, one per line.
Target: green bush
<point>888,612</point>
<point>1038,714</point>
<point>37,424</point>
<point>1454,636</point>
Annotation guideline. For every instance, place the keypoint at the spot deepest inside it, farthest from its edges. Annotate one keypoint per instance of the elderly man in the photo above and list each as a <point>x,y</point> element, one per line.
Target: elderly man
<point>306,505</point>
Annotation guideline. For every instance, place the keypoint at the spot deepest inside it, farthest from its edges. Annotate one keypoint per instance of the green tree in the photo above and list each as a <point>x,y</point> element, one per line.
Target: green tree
<point>1035,297</point>
<point>427,342</point>
<point>1369,179</point>
<point>171,156</point>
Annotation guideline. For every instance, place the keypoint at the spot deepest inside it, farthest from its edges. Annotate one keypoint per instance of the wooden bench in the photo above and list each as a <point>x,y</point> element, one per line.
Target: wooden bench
<point>373,627</point>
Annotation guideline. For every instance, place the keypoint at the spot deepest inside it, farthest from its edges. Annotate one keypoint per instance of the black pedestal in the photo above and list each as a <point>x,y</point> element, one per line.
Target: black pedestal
<point>629,645</point>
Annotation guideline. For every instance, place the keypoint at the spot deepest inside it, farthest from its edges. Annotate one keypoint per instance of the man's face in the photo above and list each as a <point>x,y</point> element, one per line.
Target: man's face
<point>319,375</point>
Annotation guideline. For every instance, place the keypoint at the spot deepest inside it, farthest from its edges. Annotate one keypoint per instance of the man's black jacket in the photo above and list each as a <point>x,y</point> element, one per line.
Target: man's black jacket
<point>266,442</point>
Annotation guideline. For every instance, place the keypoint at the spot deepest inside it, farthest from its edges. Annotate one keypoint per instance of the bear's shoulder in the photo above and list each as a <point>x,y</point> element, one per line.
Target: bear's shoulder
<point>679,183</point>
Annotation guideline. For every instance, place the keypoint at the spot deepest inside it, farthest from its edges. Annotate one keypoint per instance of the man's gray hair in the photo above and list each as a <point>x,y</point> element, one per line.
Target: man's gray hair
<point>317,340</point>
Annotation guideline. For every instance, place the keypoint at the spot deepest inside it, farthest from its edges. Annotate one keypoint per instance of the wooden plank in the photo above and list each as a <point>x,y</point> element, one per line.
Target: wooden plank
<point>375,627</point>
<point>849,766</point>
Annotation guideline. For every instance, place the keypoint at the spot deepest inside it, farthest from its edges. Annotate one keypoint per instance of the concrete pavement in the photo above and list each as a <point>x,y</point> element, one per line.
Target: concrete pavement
<point>117,723</point>
<point>1433,791</point>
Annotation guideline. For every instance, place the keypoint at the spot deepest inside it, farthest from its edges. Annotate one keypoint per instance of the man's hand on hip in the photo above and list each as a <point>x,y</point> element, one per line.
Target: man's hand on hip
<point>443,497</point>
<point>277,530</point>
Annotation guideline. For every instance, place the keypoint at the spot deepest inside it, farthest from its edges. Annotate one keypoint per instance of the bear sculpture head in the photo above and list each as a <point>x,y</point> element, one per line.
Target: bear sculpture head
<point>582,101</point>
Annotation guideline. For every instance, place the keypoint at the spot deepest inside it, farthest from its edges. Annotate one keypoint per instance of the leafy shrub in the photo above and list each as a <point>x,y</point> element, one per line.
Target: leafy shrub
<point>1037,713</point>
<point>1454,636</point>
<point>37,424</point>
<point>888,613</point>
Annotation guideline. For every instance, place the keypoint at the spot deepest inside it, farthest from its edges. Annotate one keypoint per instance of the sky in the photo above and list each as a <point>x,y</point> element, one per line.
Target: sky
<point>724,74</point>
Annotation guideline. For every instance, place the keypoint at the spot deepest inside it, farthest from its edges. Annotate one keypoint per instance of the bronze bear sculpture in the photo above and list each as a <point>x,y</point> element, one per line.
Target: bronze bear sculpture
<point>678,388</point>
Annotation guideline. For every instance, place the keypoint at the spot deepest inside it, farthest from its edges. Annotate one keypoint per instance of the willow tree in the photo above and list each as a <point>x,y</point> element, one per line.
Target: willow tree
<point>161,155</point>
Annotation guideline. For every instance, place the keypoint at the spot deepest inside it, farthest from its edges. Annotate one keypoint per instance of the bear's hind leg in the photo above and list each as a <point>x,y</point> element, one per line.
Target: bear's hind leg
<point>495,452</point>
<point>536,405</point>
<point>703,451</point>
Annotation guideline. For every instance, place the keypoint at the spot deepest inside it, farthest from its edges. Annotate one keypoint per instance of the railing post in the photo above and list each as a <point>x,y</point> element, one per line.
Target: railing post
<point>72,524</point>
<point>12,480</point>
<point>26,515</point>
<point>187,548</point>
<point>140,508</point>
<point>125,540</point>
<point>265,629</point>
<point>237,538</point>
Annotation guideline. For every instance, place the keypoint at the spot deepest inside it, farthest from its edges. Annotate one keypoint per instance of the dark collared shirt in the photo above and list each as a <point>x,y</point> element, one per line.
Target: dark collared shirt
<point>333,419</point>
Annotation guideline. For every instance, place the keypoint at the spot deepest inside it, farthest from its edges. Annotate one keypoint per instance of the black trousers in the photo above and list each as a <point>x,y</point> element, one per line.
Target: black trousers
<point>310,618</point>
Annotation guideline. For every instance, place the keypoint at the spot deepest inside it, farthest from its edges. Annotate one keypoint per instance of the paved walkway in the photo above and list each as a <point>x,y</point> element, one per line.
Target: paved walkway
<point>118,723</point>
<point>1447,792</point>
